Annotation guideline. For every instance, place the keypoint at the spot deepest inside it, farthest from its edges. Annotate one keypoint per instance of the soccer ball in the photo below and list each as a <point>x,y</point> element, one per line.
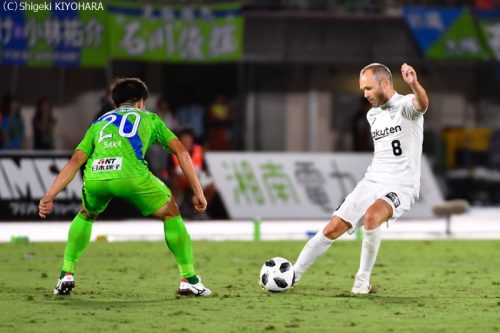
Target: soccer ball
<point>277,275</point>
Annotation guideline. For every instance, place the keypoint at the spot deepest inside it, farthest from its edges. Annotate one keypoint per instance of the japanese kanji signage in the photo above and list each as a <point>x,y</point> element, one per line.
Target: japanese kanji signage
<point>201,33</point>
<point>80,33</point>
<point>299,186</point>
<point>49,35</point>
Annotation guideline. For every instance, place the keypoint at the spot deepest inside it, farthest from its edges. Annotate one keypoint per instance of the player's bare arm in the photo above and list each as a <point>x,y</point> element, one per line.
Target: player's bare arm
<point>62,180</point>
<point>186,164</point>
<point>420,101</point>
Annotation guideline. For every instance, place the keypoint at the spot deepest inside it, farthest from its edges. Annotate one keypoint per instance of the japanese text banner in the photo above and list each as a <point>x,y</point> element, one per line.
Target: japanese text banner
<point>299,186</point>
<point>202,33</point>
<point>53,36</point>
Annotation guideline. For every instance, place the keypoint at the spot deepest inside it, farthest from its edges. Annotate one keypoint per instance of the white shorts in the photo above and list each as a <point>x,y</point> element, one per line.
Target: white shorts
<point>365,194</point>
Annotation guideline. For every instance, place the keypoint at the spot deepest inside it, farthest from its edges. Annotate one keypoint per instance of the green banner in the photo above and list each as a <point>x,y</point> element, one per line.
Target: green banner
<point>182,33</point>
<point>462,40</point>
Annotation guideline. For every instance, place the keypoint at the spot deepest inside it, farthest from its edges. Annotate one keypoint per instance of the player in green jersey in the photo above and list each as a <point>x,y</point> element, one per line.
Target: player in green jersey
<point>113,149</point>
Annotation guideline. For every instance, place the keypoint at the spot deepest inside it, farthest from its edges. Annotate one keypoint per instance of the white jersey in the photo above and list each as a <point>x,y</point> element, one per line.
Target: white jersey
<point>397,132</point>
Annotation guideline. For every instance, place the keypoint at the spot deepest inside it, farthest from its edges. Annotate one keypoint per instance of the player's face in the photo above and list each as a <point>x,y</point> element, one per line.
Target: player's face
<point>372,88</point>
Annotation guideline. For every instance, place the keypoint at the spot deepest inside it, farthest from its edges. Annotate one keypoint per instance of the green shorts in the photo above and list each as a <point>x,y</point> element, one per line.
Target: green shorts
<point>147,193</point>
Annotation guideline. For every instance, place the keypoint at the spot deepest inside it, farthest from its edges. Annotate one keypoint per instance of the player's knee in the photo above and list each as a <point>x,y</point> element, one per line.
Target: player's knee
<point>167,211</point>
<point>336,228</point>
<point>371,220</point>
<point>166,214</point>
<point>88,215</point>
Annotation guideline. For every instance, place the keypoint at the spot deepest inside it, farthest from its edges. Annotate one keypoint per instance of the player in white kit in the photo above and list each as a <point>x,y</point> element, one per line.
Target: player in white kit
<point>392,181</point>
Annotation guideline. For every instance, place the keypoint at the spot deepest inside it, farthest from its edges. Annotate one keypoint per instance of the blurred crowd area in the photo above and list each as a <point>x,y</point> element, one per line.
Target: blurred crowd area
<point>13,125</point>
<point>34,126</point>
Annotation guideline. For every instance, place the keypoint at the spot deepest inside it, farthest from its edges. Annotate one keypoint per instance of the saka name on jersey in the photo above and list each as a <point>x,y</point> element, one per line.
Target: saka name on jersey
<point>397,133</point>
<point>117,142</point>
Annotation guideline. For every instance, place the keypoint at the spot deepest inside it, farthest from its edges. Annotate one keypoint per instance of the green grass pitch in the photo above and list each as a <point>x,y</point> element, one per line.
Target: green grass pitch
<point>420,286</point>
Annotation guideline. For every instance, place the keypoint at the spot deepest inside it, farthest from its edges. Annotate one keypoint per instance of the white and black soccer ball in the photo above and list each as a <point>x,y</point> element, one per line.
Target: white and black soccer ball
<point>277,275</point>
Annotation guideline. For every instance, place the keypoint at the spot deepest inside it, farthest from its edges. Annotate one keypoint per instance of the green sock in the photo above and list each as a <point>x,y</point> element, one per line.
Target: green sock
<point>193,279</point>
<point>179,242</point>
<point>78,239</point>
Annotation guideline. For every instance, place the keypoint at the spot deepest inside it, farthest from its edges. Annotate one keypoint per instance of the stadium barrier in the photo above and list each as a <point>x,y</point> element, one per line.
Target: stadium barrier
<point>25,176</point>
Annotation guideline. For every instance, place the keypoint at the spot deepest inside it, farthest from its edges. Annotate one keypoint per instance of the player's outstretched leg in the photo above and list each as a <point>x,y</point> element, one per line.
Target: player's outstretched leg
<point>179,242</point>
<point>78,239</point>
<point>318,245</point>
<point>369,250</point>
<point>313,249</point>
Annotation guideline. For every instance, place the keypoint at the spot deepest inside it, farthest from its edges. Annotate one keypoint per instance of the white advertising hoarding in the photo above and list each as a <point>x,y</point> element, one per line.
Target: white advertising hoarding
<point>299,185</point>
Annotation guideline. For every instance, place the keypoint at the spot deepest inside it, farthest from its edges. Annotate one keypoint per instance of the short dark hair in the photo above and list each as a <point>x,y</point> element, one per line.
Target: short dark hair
<point>128,89</point>
<point>379,70</point>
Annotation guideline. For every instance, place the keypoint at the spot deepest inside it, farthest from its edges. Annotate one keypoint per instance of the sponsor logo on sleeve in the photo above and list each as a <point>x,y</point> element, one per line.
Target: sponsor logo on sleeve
<point>107,164</point>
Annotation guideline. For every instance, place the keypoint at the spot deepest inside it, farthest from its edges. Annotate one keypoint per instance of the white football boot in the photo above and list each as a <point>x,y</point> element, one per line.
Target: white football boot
<point>64,285</point>
<point>361,287</point>
<point>197,289</point>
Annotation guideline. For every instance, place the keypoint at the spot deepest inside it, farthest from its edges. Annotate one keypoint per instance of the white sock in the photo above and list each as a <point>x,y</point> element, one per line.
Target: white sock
<point>369,251</point>
<point>313,249</point>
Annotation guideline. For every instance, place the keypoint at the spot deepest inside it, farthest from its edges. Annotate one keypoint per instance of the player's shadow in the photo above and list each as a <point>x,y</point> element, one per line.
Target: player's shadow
<point>382,299</point>
<point>374,297</point>
<point>103,304</point>
<point>390,299</point>
<point>107,304</point>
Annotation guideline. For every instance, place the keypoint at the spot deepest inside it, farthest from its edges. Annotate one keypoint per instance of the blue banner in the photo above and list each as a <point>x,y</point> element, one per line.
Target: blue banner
<point>53,33</point>
<point>428,24</point>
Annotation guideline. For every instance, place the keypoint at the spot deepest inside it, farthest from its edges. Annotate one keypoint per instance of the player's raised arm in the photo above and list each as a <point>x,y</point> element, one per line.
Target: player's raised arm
<point>186,164</point>
<point>62,180</point>
<point>420,101</point>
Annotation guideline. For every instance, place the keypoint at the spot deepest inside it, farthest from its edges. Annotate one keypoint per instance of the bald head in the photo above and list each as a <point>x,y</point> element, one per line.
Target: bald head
<point>380,72</point>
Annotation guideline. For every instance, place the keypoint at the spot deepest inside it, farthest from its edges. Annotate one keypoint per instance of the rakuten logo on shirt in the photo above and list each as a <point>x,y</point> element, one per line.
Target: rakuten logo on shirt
<point>379,134</point>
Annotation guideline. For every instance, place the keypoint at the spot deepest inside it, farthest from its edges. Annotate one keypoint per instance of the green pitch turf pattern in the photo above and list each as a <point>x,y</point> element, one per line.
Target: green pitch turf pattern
<point>421,286</point>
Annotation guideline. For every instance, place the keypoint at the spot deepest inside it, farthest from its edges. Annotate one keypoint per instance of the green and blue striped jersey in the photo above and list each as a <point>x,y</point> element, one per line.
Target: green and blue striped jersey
<point>117,142</point>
